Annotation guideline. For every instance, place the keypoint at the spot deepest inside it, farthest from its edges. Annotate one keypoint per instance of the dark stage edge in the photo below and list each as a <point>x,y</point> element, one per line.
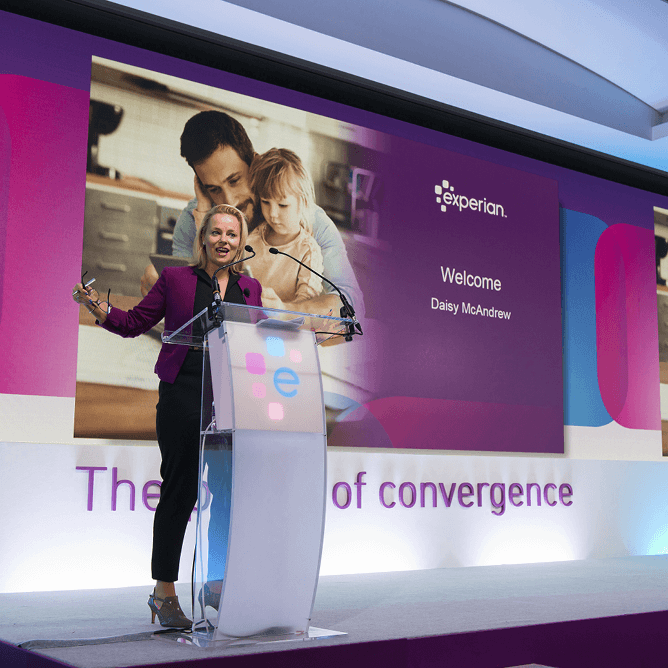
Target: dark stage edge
<point>594,613</point>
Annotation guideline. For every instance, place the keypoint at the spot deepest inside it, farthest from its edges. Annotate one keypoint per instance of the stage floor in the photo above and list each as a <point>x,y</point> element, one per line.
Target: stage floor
<point>373,609</point>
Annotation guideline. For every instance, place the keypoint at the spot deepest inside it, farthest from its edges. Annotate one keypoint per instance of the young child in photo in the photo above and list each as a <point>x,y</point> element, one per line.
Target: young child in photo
<point>285,193</point>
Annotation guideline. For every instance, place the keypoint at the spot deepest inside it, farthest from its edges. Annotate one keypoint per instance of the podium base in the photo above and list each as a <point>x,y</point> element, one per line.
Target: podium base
<point>205,639</point>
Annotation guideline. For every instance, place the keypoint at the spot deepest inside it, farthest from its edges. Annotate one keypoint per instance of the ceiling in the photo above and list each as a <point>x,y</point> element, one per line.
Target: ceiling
<point>590,72</point>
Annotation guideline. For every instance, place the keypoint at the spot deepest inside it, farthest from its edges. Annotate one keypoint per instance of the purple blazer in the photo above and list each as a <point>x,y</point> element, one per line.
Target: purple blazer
<point>171,298</point>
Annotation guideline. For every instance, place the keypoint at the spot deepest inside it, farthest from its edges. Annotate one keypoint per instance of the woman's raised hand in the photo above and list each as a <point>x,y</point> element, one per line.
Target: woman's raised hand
<point>91,300</point>
<point>83,295</point>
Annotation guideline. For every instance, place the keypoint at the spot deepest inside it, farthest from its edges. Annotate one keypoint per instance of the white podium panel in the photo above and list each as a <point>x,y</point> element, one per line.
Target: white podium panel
<point>276,533</point>
<point>263,460</point>
<point>266,378</point>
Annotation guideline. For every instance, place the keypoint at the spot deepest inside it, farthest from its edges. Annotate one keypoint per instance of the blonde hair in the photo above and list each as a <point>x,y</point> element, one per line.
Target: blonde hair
<point>280,172</point>
<point>200,258</point>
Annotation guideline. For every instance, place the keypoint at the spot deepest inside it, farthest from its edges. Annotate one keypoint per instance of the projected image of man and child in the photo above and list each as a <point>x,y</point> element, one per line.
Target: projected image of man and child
<point>276,194</point>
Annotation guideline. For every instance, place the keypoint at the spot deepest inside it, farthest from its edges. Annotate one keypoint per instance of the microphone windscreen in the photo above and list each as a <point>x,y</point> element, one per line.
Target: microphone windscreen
<point>248,249</point>
<point>246,292</point>
<point>273,251</point>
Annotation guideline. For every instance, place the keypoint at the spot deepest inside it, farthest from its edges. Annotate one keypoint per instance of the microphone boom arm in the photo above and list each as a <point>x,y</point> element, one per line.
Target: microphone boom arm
<point>347,311</point>
<point>216,307</point>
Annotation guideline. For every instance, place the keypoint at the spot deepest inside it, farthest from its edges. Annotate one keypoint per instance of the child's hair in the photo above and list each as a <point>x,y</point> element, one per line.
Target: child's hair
<point>280,172</point>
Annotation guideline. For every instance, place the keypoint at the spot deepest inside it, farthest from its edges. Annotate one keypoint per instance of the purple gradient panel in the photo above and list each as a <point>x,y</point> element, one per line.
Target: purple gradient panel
<point>463,358</point>
<point>626,326</point>
<point>441,424</point>
<point>48,127</point>
<point>612,202</point>
<point>47,52</point>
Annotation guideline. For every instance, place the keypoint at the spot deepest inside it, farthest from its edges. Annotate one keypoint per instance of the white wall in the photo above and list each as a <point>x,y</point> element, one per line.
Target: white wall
<point>617,508</point>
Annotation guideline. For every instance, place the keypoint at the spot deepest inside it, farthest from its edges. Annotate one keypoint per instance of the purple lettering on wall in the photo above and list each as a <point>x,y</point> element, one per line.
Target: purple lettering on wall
<point>358,485</point>
<point>466,493</point>
<point>404,486</point>
<point>500,505</point>
<point>461,494</point>
<point>530,486</point>
<point>423,488</point>
<point>565,490</point>
<point>447,498</point>
<point>146,495</point>
<point>381,494</point>
<point>91,475</point>
<point>481,486</point>
<point>115,482</point>
<point>545,495</point>
<point>512,494</point>
<point>335,495</point>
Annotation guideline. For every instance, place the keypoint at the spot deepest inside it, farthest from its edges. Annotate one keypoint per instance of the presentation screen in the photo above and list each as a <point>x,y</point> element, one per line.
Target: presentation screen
<point>501,298</point>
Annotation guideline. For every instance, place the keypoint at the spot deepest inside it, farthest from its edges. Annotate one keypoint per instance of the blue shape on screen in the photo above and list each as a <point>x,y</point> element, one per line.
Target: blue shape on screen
<point>583,405</point>
<point>275,346</point>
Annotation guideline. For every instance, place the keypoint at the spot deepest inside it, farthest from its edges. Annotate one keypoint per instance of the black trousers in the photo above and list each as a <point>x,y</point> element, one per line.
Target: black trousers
<point>177,426</point>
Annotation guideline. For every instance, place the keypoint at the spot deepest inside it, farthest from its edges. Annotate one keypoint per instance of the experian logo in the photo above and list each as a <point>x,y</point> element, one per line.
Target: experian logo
<point>446,196</point>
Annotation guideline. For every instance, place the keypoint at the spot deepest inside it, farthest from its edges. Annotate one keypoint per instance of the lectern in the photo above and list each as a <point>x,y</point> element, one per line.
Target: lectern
<point>263,459</point>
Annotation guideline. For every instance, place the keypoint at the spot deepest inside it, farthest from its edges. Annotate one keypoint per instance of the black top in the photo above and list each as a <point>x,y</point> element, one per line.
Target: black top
<point>203,299</point>
<point>204,291</point>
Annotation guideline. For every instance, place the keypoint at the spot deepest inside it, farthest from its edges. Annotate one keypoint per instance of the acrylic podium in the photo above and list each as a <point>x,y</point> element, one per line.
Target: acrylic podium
<point>261,502</point>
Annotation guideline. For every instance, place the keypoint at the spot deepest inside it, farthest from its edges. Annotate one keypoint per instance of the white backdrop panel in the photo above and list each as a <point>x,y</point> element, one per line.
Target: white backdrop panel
<point>52,541</point>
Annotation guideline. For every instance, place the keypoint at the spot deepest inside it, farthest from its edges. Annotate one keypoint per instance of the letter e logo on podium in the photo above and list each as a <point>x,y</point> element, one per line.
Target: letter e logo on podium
<point>283,377</point>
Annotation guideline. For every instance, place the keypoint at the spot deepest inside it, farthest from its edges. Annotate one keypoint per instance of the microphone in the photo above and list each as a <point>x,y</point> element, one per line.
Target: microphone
<point>248,249</point>
<point>218,302</point>
<point>347,310</point>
